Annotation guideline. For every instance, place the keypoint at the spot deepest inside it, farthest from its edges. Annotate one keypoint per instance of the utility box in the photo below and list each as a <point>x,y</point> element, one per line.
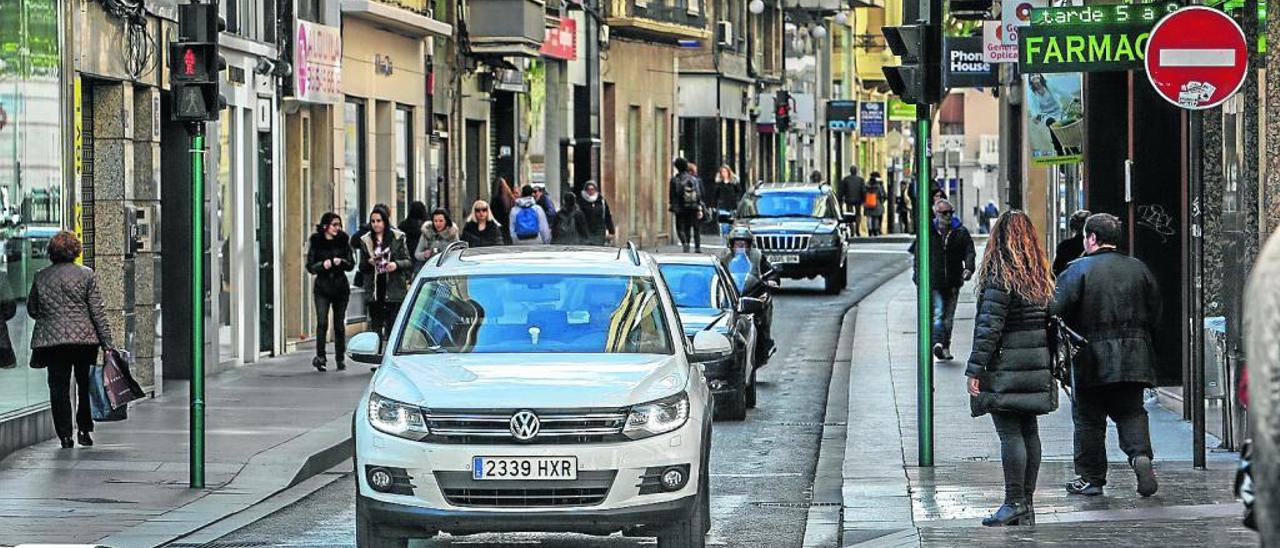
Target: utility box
<point>507,28</point>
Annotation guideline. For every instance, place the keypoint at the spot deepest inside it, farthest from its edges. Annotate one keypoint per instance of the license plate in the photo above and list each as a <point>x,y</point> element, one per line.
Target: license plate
<point>783,259</point>
<point>524,468</point>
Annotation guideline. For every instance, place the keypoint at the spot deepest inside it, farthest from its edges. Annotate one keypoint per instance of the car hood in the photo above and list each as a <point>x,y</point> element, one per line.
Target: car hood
<point>697,319</point>
<point>788,225</point>
<point>504,381</point>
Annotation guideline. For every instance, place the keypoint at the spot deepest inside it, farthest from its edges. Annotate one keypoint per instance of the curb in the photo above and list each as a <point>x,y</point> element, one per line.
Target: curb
<point>824,523</point>
<point>266,474</point>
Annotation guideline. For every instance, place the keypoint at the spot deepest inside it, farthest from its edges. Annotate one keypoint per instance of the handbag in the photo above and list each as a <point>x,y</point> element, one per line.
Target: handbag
<point>117,379</point>
<point>1066,345</point>
<point>99,402</point>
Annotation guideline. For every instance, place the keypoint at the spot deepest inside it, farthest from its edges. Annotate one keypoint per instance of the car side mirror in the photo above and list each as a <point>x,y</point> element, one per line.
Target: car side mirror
<point>363,348</point>
<point>708,344</point>
<point>849,218</point>
<point>750,305</point>
<point>726,218</point>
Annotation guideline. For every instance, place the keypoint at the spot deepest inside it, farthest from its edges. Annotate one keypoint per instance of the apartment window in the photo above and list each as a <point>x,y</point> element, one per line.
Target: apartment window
<point>404,164</point>
<point>310,10</point>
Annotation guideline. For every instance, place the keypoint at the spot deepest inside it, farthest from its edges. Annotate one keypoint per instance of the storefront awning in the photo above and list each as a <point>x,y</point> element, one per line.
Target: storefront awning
<point>396,18</point>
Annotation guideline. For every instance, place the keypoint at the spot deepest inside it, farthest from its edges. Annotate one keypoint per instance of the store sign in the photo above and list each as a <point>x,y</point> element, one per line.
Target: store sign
<point>994,50</point>
<point>900,111</point>
<point>842,115</point>
<point>963,66</point>
<point>871,118</point>
<point>1103,14</point>
<point>1015,15</point>
<point>317,74</point>
<point>561,41</point>
<point>1082,48</point>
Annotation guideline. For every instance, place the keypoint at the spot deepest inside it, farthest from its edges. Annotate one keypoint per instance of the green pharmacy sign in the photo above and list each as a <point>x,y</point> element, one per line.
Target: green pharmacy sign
<point>1082,48</point>
<point>1117,14</point>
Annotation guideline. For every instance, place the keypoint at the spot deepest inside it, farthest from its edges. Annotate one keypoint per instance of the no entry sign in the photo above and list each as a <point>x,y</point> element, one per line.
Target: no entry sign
<point>1196,57</point>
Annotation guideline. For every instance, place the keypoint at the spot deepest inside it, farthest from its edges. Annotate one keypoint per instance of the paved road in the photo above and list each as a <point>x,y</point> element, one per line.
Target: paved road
<point>762,468</point>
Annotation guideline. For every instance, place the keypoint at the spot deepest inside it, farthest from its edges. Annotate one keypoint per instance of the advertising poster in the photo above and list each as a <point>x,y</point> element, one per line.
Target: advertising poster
<point>872,115</point>
<point>1055,118</point>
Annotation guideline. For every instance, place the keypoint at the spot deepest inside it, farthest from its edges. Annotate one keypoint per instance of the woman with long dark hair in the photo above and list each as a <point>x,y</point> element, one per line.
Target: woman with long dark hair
<point>502,199</point>
<point>386,265</point>
<point>437,234</point>
<point>1009,370</point>
<point>329,258</point>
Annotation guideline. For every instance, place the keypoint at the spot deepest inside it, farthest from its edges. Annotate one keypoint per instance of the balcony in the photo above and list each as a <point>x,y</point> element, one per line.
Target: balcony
<point>408,17</point>
<point>658,21</point>
<point>507,28</point>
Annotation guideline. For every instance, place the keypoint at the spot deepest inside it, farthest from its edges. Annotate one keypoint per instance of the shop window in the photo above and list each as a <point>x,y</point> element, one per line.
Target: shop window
<point>354,187</point>
<point>404,163</point>
<point>31,180</point>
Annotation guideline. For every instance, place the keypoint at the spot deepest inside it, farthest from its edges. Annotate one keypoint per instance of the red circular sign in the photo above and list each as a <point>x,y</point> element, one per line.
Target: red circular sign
<point>1196,57</point>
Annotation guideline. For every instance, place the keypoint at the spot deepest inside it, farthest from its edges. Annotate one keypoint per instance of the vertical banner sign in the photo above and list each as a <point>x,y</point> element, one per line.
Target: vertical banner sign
<point>1055,118</point>
<point>77,129</point>
<point>842,115</point>
<point>994,49</point>
<point>1014,15</point>
<point>317,73</point>
<point>871,119</point>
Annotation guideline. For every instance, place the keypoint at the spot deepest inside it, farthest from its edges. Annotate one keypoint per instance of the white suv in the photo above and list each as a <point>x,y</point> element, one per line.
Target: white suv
<point>543,389</point>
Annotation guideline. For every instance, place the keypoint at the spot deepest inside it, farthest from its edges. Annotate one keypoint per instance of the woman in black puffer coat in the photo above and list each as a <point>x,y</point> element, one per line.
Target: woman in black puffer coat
<point>329,258</point>
<point>1009,370</point>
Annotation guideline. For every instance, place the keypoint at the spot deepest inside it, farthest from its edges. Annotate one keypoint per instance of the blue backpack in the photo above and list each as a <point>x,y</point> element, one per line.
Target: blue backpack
<point>527,223</point>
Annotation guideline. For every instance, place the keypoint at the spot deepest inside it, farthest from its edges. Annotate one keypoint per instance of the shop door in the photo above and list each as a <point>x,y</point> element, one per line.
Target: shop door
<point>266,252</point>
<point>475,174</point>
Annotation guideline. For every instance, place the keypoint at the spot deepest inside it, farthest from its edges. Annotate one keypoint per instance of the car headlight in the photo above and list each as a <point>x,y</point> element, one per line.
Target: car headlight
<point>397,418</point>
<point>824,240</point>
<point>657,417</point>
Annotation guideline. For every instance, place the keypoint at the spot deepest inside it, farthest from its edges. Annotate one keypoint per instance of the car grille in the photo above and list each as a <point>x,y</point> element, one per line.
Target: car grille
<point>557,426</point>
<point>589,489</point>
<point>782,242</point>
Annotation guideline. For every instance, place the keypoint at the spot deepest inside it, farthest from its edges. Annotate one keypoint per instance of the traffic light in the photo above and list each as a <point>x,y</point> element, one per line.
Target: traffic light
<point>194,64</point>
<point>782,111</point>
<point>918,79</point>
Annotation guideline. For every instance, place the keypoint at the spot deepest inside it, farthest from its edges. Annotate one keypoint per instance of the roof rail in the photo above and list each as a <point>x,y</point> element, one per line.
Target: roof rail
<point>635,253</point>
<point>459,245</point>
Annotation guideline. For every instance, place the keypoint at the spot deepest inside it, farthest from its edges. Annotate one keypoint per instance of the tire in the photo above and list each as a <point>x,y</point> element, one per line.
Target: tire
<point>690,532</point>
<point>751,391</point>
<point>735,408</point>
<point>835,280</point>
<point>367,533</point>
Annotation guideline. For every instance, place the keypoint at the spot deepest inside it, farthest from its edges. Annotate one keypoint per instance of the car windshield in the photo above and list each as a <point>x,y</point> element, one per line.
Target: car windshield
<point>694,285</point>
<point>783,204</point>
<point>536,313</point>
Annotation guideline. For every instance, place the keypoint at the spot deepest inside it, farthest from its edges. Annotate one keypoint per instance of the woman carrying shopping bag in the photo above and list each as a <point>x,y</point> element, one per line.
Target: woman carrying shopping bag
<point>70,327</point>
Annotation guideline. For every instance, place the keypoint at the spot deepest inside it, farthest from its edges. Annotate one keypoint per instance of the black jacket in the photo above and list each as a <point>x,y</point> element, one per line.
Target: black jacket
<point>1010,356</point>
<point>490,236</point>
<point>949,256</point>
<point>1068,250</point>
<point>412,229</point>
<point>333,281</point>
<point>570,227</point>
<point>1112,300</point>
<point>729,194</point>
<point>675,193</point>
<point>852,189</point>
<point>599,219</point>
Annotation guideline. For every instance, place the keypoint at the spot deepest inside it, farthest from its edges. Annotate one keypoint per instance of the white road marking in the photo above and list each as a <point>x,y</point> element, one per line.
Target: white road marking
<point>1197,58</point>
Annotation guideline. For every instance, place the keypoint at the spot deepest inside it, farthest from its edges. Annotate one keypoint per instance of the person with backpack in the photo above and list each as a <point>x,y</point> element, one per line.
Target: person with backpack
<point>599,215</point>
<point>686,203</point>
<point>570,227</point>
<point>873,204</point>
<point>528,221</point>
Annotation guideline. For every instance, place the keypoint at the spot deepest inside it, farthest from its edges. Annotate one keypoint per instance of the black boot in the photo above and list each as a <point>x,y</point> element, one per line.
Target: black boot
<point>1008,514</point>
<point>1031,512</point>
<point>85,439</point>
<point>67,442</point>
<point>318,363</point>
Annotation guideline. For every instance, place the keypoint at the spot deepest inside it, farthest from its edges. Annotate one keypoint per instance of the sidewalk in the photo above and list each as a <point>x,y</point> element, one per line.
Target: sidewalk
<point>890,501</point>
<point>269,426</point>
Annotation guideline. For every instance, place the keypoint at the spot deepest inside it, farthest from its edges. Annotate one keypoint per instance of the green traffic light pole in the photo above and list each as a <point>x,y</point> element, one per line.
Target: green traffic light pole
<point>197,305</point>
<point>924,295</point>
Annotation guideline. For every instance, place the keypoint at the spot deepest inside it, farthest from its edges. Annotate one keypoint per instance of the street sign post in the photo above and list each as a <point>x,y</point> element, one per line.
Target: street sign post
<point>1197,57</point>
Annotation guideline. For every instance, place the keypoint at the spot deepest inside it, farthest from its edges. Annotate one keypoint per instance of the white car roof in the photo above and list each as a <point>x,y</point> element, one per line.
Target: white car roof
<point>542,259</point>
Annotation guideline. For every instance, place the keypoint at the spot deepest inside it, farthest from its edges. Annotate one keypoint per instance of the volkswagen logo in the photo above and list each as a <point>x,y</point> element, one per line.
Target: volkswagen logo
<point>524,425</point>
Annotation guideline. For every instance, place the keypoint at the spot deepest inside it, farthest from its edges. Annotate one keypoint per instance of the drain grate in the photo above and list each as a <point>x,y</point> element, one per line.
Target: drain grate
<point>796,505</point>
<point>808,424</point>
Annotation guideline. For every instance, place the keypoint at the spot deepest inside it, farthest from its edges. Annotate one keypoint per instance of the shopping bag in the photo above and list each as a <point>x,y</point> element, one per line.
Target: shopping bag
<point>118,380</point>
<point>99,404</point>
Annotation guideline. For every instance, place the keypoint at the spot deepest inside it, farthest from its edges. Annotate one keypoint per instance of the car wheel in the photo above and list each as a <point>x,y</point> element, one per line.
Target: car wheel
<point>690,532</point>
<point>751,391</point>
<point>835,280</point>
<point>735,406</point>
<point>367,534</point>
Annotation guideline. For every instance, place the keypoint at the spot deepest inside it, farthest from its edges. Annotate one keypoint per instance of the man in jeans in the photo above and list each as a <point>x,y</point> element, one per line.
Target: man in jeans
<point>851,192</point>
<point>1112,300</point>
<point>951,264</point>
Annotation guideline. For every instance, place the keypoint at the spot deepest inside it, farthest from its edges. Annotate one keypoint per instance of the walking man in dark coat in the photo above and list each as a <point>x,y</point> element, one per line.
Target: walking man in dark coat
<point>951,264</point>
<point>852,190</point>
<point>1071,248</point>
<point>1111,299</point>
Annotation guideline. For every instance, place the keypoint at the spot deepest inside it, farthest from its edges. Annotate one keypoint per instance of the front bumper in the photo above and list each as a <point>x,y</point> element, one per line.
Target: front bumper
<point>432,466</point>
<point>813,262</point>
